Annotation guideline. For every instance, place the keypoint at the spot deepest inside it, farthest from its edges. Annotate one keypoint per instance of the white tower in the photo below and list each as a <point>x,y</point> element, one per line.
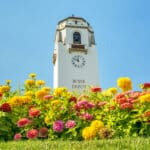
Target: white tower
<point>75,56</point>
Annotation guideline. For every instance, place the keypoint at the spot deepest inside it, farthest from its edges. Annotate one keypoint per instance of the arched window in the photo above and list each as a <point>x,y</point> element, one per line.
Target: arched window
<point>76,38</point>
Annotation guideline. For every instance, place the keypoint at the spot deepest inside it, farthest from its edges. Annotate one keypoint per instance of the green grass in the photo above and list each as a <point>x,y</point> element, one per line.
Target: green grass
<point>111,144</point>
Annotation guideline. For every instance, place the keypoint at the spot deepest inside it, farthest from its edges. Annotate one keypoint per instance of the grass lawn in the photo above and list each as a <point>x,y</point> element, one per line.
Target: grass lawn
<point>111,144</point>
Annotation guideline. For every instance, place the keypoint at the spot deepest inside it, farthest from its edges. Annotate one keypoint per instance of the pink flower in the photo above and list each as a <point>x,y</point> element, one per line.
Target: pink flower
<point>100,104</point>
<point>84,104</point>
<point>91,105</point>
<point>5,107</point>
<point>135,94</point>
<point>31,134</point>
<point>34,112</point>
<point>86,116</point>
<point>48,97</point>
<point>17,136</point>
<point>96,89</point>
<point>58,126</point>
<point>126,106</point>
<point>70,124</point>
<point>43,132</point>
<point>23,122</point>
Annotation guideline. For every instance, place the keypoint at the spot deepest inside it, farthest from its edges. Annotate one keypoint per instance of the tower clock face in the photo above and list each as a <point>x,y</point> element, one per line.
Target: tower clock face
<point>78,61</point>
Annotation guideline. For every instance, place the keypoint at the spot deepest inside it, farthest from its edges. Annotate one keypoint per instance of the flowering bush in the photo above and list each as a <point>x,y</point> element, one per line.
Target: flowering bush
<point>37,111</point>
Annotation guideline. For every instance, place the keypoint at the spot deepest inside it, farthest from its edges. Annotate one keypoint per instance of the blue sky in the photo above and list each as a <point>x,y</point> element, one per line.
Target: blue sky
<point>122,34</point>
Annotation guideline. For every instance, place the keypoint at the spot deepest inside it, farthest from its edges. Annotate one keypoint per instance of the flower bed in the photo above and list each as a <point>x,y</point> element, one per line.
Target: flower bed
<point>36,111</point>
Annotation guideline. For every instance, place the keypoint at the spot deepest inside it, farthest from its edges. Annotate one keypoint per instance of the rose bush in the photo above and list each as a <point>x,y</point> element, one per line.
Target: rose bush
<point>37,111</point>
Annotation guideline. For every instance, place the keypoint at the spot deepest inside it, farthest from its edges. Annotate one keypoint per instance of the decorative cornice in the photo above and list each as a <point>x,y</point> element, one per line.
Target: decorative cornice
<point>80,27</point>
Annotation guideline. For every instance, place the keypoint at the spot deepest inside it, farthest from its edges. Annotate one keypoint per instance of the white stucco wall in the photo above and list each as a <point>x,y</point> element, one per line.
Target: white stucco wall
<point>67,75</point>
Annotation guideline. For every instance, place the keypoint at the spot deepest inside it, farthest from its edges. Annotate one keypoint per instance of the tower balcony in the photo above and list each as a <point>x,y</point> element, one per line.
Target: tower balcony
<point>77,48</point>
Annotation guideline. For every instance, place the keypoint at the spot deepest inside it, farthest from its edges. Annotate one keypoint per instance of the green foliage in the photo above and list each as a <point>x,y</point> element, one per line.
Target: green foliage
<point>125,114</point>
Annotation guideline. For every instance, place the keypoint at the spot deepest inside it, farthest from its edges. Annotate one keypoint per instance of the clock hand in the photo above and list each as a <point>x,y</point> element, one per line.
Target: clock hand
<point>78,59</point>
<point>75,59</point>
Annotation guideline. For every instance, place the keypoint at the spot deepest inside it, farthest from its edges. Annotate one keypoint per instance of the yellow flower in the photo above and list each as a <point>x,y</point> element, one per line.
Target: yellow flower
<point>106,93</point>
<point>97,125</point>
<point>47,120</point>
<point>47,89</point>
<point>8,82</point>
<point>56,102</point>
<point>29,82</point>
<point>113,90</point>
<point>59,91</point>
<point>32,75</point>
<point>4,88</point>
<point>40,94</point>
<point>19,100</point>
<point>66,94</point>
<point>88,133</point>
<point>124,83</point>
<point>145,98</point>
<point>40,82</point>
<point>29,93</point>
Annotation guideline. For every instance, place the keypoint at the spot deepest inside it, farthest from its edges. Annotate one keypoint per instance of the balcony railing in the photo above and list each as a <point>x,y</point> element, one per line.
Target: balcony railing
<point>77,48</point>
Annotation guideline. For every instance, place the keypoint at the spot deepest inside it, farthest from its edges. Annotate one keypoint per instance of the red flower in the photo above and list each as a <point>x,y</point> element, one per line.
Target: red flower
<point>43,132</point>
<point>73,99</point>
<point>119,95</point>
<point>96,89</point>
<point>126,106</point>
<point>23,122</point>
<point>32,134</point>
<point>17,136</point>
<point>5,107</point>
<point>121,100</point>
<point>146,85</point>
<point>34,112</point>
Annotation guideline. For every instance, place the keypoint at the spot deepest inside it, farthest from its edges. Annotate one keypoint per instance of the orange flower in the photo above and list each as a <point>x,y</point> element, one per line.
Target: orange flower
<point>147,114</point>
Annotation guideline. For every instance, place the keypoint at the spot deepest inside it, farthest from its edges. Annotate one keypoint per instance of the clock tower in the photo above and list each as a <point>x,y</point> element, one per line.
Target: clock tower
<point>75,56</point>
